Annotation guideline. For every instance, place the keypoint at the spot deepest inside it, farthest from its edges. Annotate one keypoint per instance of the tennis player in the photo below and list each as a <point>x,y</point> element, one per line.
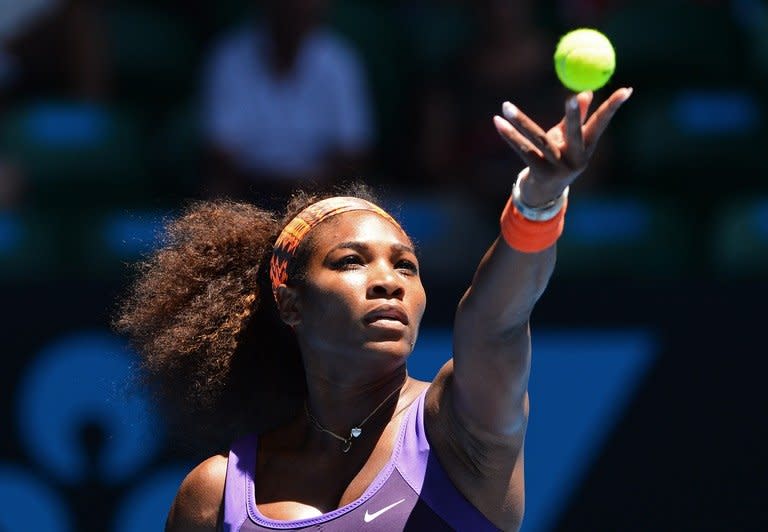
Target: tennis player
<point>291,338</point>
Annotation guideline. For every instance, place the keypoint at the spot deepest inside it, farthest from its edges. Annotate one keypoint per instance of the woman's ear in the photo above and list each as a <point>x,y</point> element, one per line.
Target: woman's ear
<point>288,305</point>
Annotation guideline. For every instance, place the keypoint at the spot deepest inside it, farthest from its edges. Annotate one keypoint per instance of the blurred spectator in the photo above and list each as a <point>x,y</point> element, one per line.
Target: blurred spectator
<point>508,59</point>
<point>53,47</point>
<point>285,102</point>
<point>48,48</point>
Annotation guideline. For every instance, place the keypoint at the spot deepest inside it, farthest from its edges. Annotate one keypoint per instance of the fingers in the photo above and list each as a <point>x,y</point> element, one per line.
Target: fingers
<point>600,119</point>
<point>531,131</point>
<point>570,143</point>
<point>557,133</point>
<point>585,100</point>
<point>574,150</point>
<point>527,151</point>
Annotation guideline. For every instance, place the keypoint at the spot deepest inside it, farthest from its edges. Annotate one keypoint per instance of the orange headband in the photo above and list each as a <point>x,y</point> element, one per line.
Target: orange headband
<point>290,238</point>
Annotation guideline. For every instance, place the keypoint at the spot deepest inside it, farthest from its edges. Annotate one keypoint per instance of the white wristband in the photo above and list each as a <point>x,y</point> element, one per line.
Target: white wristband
<point>537,214</point>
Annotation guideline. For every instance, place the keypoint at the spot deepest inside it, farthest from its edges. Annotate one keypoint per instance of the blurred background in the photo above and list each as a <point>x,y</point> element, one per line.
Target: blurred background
<point>648,386</point>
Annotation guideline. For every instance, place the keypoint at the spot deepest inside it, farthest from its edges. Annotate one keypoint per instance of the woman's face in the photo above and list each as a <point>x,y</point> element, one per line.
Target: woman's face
<point>362,292</point>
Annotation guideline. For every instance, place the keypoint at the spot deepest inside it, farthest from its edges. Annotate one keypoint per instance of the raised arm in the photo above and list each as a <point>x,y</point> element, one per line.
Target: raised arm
<point>478,406</point>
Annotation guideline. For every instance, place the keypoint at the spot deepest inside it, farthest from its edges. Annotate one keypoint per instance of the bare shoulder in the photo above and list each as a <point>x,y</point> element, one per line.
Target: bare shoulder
<point>198,502</point>
<point>486,468</point>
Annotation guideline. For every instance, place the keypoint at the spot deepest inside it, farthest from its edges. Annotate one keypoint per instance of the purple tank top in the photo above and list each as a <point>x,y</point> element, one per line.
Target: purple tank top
<point>411,492</point>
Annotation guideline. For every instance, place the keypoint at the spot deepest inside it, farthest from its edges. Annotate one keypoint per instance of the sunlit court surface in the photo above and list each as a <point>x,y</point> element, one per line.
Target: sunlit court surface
<point>534,300</point>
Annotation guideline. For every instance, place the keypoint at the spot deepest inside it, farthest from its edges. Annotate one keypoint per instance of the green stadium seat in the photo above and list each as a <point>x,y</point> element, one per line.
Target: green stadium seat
<point>688,140</point>
<point>675,42</point>
<point>29,247</point>
<point>384,56</point>
<point>752,17</point>
<point>176,152</point>
<point>438,33</point>
<point>620,237</point>
<point>155,57</point>
<point>226,14</point>
<point>75,154</point>
<point>740,238</point>
<point>108,240</point>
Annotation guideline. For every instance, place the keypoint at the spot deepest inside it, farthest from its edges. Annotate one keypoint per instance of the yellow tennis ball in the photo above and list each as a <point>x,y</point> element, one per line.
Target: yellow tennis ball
<point>584,60</point>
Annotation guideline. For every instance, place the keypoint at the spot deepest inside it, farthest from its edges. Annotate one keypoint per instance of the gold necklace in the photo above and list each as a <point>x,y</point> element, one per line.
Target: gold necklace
<point>356,431</point>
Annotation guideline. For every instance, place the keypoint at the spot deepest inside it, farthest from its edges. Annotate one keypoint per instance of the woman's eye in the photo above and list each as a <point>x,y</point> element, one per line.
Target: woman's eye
<point>408,265</point>
<point>348,261</point>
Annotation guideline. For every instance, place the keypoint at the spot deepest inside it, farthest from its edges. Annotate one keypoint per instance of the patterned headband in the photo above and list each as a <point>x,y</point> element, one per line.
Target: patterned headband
<point>290,238</point>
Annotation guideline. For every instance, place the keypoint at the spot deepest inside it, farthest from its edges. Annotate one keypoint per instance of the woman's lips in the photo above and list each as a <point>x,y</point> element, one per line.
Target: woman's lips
<point>385,314</point>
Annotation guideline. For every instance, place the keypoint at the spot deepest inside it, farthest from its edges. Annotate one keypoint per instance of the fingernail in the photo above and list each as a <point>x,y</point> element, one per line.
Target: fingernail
<point>573,103</point>
<point>627,94</point>
<point>510,111</point>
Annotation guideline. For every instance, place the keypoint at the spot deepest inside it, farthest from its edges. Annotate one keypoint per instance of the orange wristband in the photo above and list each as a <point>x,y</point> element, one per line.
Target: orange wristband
<point>528,236</point>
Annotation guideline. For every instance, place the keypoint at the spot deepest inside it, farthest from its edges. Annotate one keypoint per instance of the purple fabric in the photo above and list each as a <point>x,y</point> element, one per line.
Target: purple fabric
<point>411,492</point>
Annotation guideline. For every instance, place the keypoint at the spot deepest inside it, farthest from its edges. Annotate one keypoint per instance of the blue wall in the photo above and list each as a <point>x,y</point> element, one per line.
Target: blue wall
<point>79,384</point>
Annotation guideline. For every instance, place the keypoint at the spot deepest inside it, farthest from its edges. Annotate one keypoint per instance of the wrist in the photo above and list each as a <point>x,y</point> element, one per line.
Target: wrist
<point>534,193</point>
<point>541,212</point>
<point>531,235</point>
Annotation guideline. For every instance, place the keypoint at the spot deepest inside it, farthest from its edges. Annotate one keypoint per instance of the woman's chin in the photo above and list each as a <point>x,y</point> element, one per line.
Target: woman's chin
<point>395,348</point>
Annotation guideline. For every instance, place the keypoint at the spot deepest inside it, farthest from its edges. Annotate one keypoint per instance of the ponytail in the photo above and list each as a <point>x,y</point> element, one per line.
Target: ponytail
<point>200,315</point>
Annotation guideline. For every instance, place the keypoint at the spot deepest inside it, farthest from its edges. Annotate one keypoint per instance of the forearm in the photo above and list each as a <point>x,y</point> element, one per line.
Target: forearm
<point>492,351</point>
<point>505,288</point>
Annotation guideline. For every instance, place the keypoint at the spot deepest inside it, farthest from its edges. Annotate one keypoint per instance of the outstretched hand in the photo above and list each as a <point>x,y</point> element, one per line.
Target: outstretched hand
<point>555,158</point>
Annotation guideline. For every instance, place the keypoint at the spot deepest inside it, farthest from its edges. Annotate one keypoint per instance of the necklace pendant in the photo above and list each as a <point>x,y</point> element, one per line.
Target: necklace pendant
<point>347,445</point>
<point>355,432</point>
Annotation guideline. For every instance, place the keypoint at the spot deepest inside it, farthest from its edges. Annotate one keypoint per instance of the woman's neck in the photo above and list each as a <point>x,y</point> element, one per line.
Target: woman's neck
<point>340,406</point>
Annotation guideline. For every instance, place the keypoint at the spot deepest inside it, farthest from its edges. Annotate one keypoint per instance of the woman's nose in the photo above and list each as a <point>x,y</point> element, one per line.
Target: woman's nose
<point>385,282</point>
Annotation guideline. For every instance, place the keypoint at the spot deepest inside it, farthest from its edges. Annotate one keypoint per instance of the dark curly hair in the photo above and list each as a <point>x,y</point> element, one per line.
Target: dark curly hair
<point>201,315</point>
